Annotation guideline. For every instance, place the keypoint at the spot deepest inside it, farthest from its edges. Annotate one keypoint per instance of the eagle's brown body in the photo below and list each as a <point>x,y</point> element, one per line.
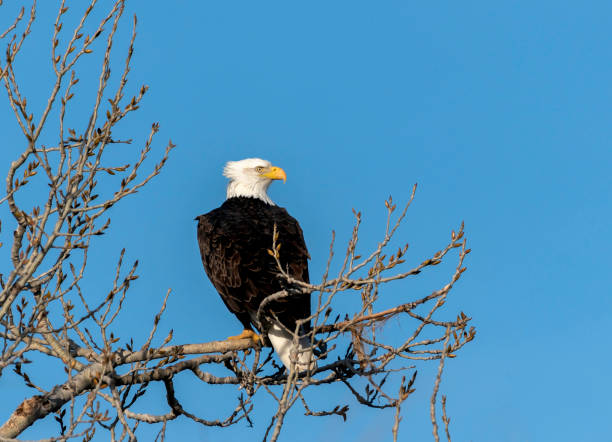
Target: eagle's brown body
<point>234,240</point>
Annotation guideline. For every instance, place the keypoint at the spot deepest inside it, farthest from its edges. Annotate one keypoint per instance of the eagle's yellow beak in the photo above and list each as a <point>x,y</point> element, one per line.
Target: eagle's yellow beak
<point>276,173</point>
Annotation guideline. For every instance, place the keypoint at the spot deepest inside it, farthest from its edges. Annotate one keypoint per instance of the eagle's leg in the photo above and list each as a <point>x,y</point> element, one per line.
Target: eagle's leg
<point>247,334</point>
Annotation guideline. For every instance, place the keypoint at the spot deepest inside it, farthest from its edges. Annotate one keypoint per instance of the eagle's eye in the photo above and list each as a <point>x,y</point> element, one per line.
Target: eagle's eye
<point>259,169</point>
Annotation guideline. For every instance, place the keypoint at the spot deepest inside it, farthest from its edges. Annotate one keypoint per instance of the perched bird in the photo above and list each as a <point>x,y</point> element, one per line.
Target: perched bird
<point>235,242</point>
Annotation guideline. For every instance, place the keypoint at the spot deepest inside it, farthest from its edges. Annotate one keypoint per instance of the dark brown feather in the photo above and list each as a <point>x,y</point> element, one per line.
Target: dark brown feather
<point>234,241</point>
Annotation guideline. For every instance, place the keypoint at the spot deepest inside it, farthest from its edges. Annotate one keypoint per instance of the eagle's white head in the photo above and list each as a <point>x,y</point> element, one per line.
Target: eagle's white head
<point>251,178</point>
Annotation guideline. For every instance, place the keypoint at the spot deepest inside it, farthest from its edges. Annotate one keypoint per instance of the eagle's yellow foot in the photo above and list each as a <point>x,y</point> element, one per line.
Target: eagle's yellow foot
<point>247,334</point>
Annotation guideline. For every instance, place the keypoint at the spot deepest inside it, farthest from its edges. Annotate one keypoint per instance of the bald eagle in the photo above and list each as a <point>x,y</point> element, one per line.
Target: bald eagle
<point>234,240</point>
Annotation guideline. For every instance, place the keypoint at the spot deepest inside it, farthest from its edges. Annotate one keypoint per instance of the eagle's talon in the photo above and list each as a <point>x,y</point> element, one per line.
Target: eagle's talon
<point>247,334</point>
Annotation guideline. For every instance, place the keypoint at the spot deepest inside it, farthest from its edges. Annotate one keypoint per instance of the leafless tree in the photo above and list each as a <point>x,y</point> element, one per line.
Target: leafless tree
<point>58,194</point>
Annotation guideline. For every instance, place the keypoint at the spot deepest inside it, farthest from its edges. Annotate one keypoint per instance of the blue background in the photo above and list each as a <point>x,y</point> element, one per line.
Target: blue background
<point>500,111</point>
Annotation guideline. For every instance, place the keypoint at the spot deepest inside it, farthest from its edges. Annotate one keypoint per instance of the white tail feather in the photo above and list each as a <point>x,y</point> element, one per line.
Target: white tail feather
<point>282,341</point>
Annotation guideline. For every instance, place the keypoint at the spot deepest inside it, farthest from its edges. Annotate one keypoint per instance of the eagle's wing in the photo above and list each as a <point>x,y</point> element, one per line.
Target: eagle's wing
<point>234,249</point>
<point>223,263</point>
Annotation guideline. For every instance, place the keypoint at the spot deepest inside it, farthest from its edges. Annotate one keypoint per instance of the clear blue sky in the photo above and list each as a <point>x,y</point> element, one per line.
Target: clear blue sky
<point>501,111</point>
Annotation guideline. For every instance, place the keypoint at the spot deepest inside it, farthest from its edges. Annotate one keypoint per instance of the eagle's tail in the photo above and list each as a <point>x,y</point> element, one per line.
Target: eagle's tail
<point>282,341</point>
